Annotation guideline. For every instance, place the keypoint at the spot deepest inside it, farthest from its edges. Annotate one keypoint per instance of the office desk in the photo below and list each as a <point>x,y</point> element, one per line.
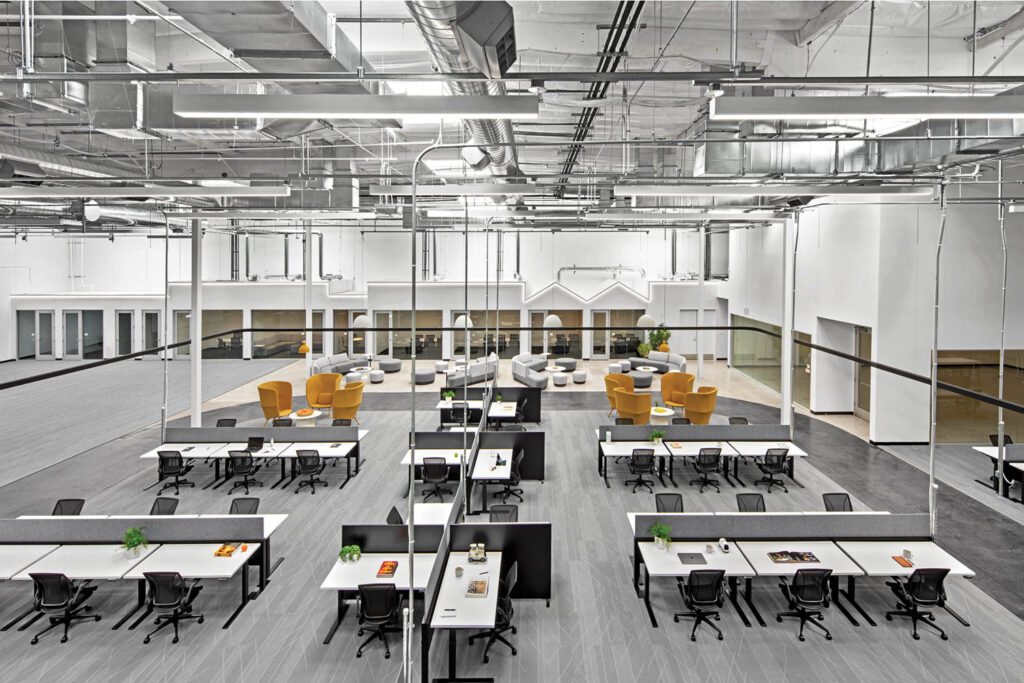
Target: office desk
<point>485,471</point>
<point>268,452</point>
<point>346,577</point>
<point>453,610</point>
<point>196,561</point>
<point>87,562</point>
<point>757,449</point>
<point>1013,465</point>
<point>452,457</point>
<point>271,523</point>
<point>691,449</point>
<point>432,513</point>
<point>327,451</point>
<point>624,449</point>
<point>470,404</point>
<point>501,411</point>
<point>189,451</point>
<point>660,563</point>
<point>15,558</point>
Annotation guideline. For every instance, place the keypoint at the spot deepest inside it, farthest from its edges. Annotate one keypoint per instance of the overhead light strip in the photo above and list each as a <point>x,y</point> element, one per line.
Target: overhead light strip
<point>224,106</point>
<point>776,190</point>
<point>141,192</point>
<point>455,190</point>
<point>855,107</point>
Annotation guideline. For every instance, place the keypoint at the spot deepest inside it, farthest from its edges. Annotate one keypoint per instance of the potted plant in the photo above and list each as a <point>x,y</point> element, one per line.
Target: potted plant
<point>498,398</point>
<point>643,350</point>
<point>662,535</point>
<point>133,540</point>
<point>447,396</point>
<point>350,553</point>
<point>658,339</point>
<point>657,436</point>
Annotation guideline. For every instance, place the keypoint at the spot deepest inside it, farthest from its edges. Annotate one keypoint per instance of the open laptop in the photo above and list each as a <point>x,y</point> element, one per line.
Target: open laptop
<point>255,444</point>
<point>692,558</point>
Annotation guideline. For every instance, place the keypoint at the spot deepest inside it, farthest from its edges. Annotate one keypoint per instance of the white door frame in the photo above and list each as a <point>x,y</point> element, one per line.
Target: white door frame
<point>607,336</point>
<point>117,330</point>
<point>53,336</point>
<point>77,332</point>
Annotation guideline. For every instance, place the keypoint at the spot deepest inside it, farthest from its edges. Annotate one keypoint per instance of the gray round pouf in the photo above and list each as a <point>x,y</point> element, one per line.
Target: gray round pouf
<point>614,368</point>
<point>579,376</point>
<point>441,366</point>
<point>568,363</point>
<point>376,376</point>
<point>424,376</point>
<point>354,377</point>
<point>389,365</point>
<point>560,379</point>
<point>626,365</point>
<point>642,378</point>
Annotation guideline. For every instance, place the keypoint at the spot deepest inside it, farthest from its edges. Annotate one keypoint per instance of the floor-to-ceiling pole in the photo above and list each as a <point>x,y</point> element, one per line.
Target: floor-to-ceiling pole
<point>935,364</point>
<point>1000,422</point>
<point>786,360</point>
<point>307,290</point>
<point>166,354</point>
<point>196,327</point>
<point>700,297</point>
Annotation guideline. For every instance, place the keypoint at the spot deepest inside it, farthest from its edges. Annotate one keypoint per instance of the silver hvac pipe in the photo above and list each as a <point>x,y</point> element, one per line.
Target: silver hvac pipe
<point>642,271</point>
<point>935,365</point>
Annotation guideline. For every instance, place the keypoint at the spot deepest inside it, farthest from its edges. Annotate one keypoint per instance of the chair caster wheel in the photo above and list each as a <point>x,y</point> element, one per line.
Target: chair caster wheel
<point>360,632</point>
<point>97,617</point>
<point>64,639</point>
<point>802,639</point>
<point>917,637</point>
<point>156,622</point>
<point>35,640</point>
<point>145,641</point>
<point>87,608</point>
<point>675,619</point>
<point>387,655</point>
<point>358,655</point>
<point>514,652</point>
<point>199,620</point>
<point>888,617</point>
<point>514,630</point>
<point>944,636</point>
<point>828,636</point>
<point>718,617</point>
<point>778,619</point>
<point>175,639</point>
<point>931,617</point>
<point>486,660</point>
<point>721,637</point>
<point>693,639</point>
<point>821,617</point>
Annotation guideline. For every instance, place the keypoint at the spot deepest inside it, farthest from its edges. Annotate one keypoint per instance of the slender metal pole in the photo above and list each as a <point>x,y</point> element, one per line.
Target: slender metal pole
<point>734,36</point>
<point>307,291</point>
<point>935,363</point>
<point>196,328</point>
<point>786,359</point>
<point>700,297</point>
<point>166,352</point>
<point>465,371</point>
<point>1001,424</point>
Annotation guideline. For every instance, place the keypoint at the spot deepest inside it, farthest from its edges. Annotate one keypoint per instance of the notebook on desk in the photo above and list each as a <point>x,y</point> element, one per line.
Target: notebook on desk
<point>791,556</point>
<point>692,558</point>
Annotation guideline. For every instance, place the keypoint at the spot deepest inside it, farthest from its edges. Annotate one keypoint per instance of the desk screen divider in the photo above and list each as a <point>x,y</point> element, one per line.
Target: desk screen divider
<point>532,443</point>
<point>158,529</point>
<point>528,543</point>
<point>752,526</point>
<point>242,434</point>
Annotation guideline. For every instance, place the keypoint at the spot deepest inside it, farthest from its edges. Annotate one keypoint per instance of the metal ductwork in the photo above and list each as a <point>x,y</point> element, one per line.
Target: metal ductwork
<point>60,164</point>
<point>438,21</point>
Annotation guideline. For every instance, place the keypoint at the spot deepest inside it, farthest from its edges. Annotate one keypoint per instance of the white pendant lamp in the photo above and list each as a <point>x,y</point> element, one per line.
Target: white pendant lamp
<point>645,321</point>
<point>361,321</point>
<point>552,321</point>
<point>463,322</point>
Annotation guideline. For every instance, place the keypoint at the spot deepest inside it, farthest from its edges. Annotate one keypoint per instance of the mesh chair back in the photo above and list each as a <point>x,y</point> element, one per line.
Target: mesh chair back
<point>435,471</point>
<point>171,463</point>
<point>227,422</point>
<point>394,517</point>
<point>810,586</point>
<point>378,603</point>
<point>521,409</point>
<point>837,502</point>
<point>514,476</point>
<point>341,422</point>
<point>68,507</point>
<point>244,506</point>
<point>623,420</point>
<point>681,421</point>
<point>504,513</point>
<point>308,461</point>
<point>925,586</point>
<point>708,458</point>
<point>994,438</point>
<point>669,502</point>
<point>739,421</point>
<point>164,506</point>
<point>505,608</point>
<point>166,590</point>
<point>642,460</point>
<point>459,412</point>
<point>704,586</point>
<point>283,422</point>
<point>241,461</point>
<point>52,591</point>
<point>750,502</point>
<point>775,459</point>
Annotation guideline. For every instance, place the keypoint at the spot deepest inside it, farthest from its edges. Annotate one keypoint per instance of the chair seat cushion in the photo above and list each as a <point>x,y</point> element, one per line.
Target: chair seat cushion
<point>678,397</point>
<point>325,397</point>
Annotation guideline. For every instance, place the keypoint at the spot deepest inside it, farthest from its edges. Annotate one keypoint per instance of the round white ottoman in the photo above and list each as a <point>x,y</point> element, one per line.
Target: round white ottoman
<point>579,376</point>
<point>614,367</point>
<point>376,376</point>
<point>390,364</point>
<point>560,379</point>
<point>354,377</point>
<point>625,365</point>
<point>424,376</point>
<point>441,366</point>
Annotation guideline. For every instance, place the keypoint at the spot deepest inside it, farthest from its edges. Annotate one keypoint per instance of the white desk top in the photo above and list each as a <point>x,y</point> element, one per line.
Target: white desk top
<point>187,450</point>
<point>452,456</point>
<point>432,513</point>
<point>758,448</point>
<point>667,562</point>
<point>828,554</point>
<point>875,557</point>
<point>79,562</point>
<point>269,450</point>
<point>617,449</point>
<point>65,516</point>
<point>485,470</point>
<point>692,448</point>
<point>470,612</point>
<point>501,409</point>
<point>14,558</point>
<point>472,404</point>
<point>193,561</point>
<point>347,576</point>
<point>463,429</point>
<point>326,449</point>
<point>270,522</point>
<point>993,452</point>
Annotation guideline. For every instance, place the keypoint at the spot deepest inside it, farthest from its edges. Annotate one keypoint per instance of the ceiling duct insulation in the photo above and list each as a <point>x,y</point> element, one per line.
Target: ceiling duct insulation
<point>470,37</point>
<point>61,47</point>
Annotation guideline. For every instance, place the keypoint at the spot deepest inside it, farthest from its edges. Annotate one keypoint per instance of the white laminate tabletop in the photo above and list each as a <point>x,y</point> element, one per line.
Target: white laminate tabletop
<point>829,555</point>
<point>270,522</point>
<point>876,557</point>
<point>194,561</point>
<point>1010,452</point>
<point>692,448</point>
<point>453,608</point>
<point>617,449</point>
<point>347,576</point>
<point>432,513</point>
<point>472,404</point>
<point>326,449</point>
<point>269,450</point>
<point>501,409</point>
<point>66,516</point>
<point>463,429</point>
<point>758,448</point>
<point>79,562</point>
<point>452,456</point>
<point>485,468</point>
<point>14,558</point>
<point>187,450</point>
<point>667,563</point>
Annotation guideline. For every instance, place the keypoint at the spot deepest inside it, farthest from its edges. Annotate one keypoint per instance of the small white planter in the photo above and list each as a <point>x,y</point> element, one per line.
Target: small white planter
<point>660,543</point>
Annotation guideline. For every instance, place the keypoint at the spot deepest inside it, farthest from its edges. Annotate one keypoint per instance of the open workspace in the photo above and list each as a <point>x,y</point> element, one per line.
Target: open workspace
<point>589,342</point>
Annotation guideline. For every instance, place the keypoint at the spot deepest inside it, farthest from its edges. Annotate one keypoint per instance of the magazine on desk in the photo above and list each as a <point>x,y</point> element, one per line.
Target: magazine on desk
<point>476,588</point>
<point>791,556</point>
<point>387,569</point>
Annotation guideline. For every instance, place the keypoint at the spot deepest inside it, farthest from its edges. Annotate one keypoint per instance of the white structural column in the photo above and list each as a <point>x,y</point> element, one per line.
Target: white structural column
<point>701,256</point>
<point>196,327</point>
<point>788,282</point>
<point>307,291</point>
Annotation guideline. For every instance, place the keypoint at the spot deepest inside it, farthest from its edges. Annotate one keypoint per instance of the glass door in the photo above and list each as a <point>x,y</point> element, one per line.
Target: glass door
<point>44,335</point>
<point>72,335</point>
<point>150,329</point>
<point>538,340</point>
<point>382,345</point>
<point>357,340</point>
<point>862,392</point>
<point>92,334</point>
<point>599,345</point>
<point>125,320</point>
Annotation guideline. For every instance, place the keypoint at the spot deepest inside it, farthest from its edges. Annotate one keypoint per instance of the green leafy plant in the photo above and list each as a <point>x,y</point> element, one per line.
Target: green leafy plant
<point>658,337</point>
<point>643,350</point>
<point>447,395</point>
<point>134,539</point>
<point>657,435</point>
<point>662,531</point>
<point>350,552</point>
<point>499,398</point>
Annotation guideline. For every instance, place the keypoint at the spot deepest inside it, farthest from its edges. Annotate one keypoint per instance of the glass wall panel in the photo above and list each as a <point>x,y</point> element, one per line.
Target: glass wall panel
<point>802,371</point>
<point>967,420</point>
<point>124,332</point>
<point>92,334</point>
<point>757,355</point>
<point>483,339</point>
<point>282,344</point>
<point>537,332</point>
<point>567,342</point>
<point>214,322</point>
<point>624,342</point>
<point>428,342</point>
<point>382,340</point>
<point>358,336</point>
<point>340,338</point>
<point>150,329</point>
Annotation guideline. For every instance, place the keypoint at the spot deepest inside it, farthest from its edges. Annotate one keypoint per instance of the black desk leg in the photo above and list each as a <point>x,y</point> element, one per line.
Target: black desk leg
<point>647,597</point>
<point>749,598</point>
<point>636,569</point>
<point>736,471</point>
<point>734,595</point>
<point>245,596</point>
<point>833,583</point>
<point>283,476</point>
<point>452,677</point>
<point>138,605</point>
<point>348,469</point>
<point>671,470</point>
<point>604,462</point>
<point>792,467</point>
<point>216,473</point>
<point>405,489</point>
<point>484,497</point>
<point>9,625</point>
<point>851,597</point>
<point>342,608</point>
<point>955,615</point>
<point>661,469</point>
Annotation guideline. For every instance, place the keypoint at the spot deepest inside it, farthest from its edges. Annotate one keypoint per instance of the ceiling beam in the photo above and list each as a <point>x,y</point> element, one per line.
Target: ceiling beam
<point>990,34</point>
<point>832,14</point>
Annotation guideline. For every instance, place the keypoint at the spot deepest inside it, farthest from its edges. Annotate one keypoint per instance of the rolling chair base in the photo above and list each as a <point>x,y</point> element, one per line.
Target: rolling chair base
<point>163,622</point>
<point>493,637</point>
<point>700,617</point>
<point>508,493</point>
<point>175,484</point>
<point>705,482</point>
<point>245,483</point>
<point>67,620</point>
<point>640,481</point>
<point>771,481</point>
<point>436,491</point>
<point>378,633</point>
<point>917,616</point>
<point>311,483</point>
<point>807,618</point>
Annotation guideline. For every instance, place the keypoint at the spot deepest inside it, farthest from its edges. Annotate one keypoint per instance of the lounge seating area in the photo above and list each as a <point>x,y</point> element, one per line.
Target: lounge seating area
<point>663,362</point>
<point>526,369</point>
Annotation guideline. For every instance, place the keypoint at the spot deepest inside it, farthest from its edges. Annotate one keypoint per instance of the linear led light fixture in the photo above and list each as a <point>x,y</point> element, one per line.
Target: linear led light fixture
<point>224,106</point>
<point>275,215</point>
<point>456,190</point>
<point>141,192</point>
<point>856,107</point>
<point>767,190</point>
<point>627,217</point>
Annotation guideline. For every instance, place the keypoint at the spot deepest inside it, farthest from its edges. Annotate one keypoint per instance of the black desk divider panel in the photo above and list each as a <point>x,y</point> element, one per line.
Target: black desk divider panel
<point>77,530</point>
<point>391,538</point>
<point>527,543</point>
<point>531,394</point>
<point>532,444</point>
<point>242,434</point>
<point>698,432</point>
<point>738,526</point>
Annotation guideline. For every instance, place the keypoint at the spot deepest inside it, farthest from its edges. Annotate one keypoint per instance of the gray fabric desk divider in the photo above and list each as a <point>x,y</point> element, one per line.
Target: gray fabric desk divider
<point>75,530</point>
<point>449,440</point>
<point>391,538</point>
<point>532,443</point>
<point>698,432</point>
<point>738,526</point>
<point>242,434</point>
<point>526,543</point>
<point>532,413</point>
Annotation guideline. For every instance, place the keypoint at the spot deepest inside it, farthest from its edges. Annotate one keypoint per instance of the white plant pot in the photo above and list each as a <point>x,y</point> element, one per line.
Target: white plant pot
<point>660,544</point>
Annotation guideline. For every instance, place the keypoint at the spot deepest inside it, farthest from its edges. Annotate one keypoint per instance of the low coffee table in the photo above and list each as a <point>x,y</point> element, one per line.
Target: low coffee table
<point>660,415</point>
<point>646,368</point>
<point>306,420</point>
<point>555,368</point>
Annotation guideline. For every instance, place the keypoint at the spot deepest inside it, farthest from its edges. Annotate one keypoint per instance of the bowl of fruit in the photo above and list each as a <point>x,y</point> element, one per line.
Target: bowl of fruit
<point>305,412</point>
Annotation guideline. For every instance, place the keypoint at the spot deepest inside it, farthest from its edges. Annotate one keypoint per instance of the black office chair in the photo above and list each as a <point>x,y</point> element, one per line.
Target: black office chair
<point>62,599</point>
<point>164,506</point>
<point>227,422</point>
<point>170,598</point>
<point>668,502</point>
<point>511,487</point>
<point>681,421</point>
<point>378,613</point>
<point>173,465</point>
<point>520,417</point>
<point>807,596</point>
<point>750,502</point>
<point>395,517</point>
<point>924,588</point>
<point>283,422</point>
<point>709,461</point>
<point>243,465</point>
<point>774,463</point>
<point>504,513</point>
<point>309,464</point>
<point>341,422</point>
<point>503,618</point>
<point>244,506</point>
<point>435,475</point>
<point>739,421</point>
<point>68,507</point>
<point>837,502</point>
<point>641,463</point>
<point>703,594</point>
<point>459,414</point>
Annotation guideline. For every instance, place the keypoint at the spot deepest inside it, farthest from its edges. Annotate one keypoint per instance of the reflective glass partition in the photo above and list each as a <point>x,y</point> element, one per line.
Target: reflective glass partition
<point>340,338</point>
<point>150,329</point>
<point>802,370</point>
<point>484,339</point>
<point>567,342</point>
<point>428,343</point>
<point>283,344</point>
<point>537,332</point>
<point>358,344</point>
<point>624,342</point>
<point>966,420</point>
<point>92,334</point>
<point>755,354</point>
<point>214,322</point>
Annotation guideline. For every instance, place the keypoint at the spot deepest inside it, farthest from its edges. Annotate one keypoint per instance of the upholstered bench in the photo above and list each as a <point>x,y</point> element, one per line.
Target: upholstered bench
<point>568,363</point>
<point>376,376</point>
<point>424,376</point>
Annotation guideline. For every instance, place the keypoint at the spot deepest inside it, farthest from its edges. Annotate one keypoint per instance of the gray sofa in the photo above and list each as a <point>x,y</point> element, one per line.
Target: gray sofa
<point>664,362</point>
<point>339,363</point>
<point>525,369</point>
<point>478,371</point>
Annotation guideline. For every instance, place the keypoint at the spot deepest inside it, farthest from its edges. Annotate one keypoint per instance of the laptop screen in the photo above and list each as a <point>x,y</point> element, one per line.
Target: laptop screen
<point>255,444</point>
